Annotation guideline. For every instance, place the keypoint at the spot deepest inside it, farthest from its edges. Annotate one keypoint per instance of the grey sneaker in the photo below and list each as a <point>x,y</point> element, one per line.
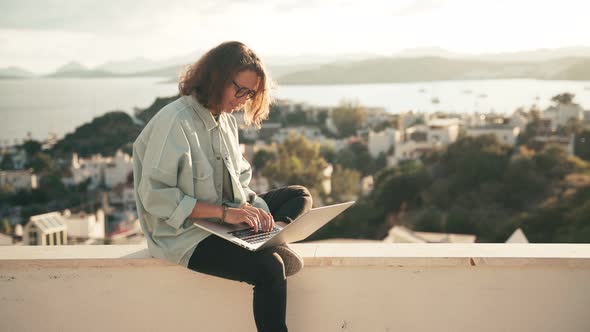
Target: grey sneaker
<point>293,262</point>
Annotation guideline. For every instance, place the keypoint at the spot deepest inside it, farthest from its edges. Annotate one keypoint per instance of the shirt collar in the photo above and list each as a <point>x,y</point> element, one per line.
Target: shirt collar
<point>202,112</point>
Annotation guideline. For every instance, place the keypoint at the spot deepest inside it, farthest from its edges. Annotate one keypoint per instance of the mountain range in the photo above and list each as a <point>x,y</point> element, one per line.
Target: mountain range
<point>420,64</point>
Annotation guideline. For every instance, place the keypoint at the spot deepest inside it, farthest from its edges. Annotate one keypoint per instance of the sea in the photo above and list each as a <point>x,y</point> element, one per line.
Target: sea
<point>40,107</point>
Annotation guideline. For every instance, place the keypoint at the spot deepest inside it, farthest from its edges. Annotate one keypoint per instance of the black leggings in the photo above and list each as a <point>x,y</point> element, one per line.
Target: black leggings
<point>263,269</point>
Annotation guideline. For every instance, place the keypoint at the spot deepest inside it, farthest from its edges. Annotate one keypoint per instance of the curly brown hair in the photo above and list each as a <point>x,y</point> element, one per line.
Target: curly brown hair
<point>207,78</point>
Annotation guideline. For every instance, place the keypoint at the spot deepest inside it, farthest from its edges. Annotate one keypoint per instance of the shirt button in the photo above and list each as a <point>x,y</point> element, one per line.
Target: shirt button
<point>218,157</point>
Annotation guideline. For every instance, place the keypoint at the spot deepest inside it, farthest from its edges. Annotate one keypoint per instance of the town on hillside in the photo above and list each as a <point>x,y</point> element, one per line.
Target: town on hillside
<point>59,192</point>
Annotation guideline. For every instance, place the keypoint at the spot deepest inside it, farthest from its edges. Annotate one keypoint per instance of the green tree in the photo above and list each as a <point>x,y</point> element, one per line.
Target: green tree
<point>345,184</point>
<point>348,117</point>
<point>7,163</point>
<point>52,186</point>
<point>5,226</point>
<point>298,162</point>
<point>275,114</point>
<point>261,158</point>
<point>295,118</point>
<point>401,185</point>
<point>357,157</point>
<point>563,98</point>
<point>429,219</point>
<point>42,163</point>
<point>555,163</point>
<point>147,114</point>
<point>32,147</point>
<point>523,184</point>
<point>363,220</point>
<point>472,161</point>
<point>328,153</point>
<point>104,134</point>
<point>572,127</point>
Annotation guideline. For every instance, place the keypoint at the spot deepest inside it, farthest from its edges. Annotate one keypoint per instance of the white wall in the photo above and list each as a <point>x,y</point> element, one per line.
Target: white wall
<point>19,179</point>
<point>504,135</point>
<point>344,287</point>
<point>382,141</point>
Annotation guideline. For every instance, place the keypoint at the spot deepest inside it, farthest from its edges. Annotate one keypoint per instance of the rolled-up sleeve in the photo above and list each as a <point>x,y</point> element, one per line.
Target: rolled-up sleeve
<point>158,188</point>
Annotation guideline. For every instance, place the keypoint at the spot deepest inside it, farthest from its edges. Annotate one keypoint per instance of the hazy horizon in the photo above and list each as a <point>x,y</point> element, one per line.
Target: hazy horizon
<point>92,33</point>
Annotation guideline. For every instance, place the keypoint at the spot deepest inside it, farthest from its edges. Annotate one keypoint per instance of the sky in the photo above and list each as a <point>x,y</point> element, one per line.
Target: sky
<point>41,35</point>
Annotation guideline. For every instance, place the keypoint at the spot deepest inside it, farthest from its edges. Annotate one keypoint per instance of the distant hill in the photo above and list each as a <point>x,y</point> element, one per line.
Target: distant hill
<point>538,55</point>
<point>104,134</point>
<point>15,72</point>
<point>392,70</point>
<point>140,65</point>
<point>129,66</point>
<point>75,69</point>
<point>562,63</point>
<point>173,72</point>
<point>167,72</point>
<point>145,115</point>
<point>577,71</point>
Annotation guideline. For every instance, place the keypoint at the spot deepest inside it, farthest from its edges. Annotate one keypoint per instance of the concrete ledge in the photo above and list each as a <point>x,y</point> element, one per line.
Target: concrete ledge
<point>344,287</point>
<point>359,254</point>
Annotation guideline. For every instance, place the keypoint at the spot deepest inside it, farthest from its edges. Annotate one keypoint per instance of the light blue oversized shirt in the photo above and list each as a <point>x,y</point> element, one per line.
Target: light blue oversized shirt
<point>177,161</point>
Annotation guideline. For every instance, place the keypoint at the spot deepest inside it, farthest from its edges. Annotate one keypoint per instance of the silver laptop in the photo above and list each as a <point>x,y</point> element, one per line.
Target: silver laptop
<point>299,229</point>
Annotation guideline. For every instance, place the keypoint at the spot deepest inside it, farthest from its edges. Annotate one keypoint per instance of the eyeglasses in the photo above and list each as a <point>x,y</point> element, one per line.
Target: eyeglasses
<point>242,91</point>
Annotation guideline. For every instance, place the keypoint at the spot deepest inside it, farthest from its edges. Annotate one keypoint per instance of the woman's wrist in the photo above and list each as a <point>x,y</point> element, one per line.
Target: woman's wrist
<point>223,213</point>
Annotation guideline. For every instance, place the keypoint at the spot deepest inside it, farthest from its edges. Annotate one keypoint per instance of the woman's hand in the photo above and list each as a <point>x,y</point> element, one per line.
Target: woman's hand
<point>256,218</point>
<point>267,222</point>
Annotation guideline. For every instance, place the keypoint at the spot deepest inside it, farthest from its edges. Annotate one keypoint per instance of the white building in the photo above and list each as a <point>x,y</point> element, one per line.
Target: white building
<point>377,115</point>
<point>517,237</point>
<point>336,144</point>
<point>327,182</point>
<point>367,184</point>
<point>84,225</point>
<point>313,114</point>
<point>117,169</point>
<point>562,113</point>
<point>17,155</point>
<point>330,125</point>
<point>410,150</point>
<point>311,133</point>
<point>423,138</point>
<point>109,171</point>
<point>122,195</point>
<point>519,119</point>
<point>18,180</point>
<point>289,106</point>
<point>566,142</point>
<point>408,119</point>
<point>83,169</point>
<point>506,134</point>
<point>47,229</point>
<point>267,130</point>
<point>401,234</point>
<point>383,141</point>
<point>443,131</point>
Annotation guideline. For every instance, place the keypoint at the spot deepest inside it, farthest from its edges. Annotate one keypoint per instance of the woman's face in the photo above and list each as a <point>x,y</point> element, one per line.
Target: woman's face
<point>246,83</point>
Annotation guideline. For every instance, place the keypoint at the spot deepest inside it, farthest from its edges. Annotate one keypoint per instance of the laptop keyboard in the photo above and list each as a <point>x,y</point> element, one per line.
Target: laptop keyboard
<point>251,237</point>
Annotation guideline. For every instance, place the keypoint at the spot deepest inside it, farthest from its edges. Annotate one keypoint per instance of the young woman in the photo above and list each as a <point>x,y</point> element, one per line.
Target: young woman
<point>188,164</point>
